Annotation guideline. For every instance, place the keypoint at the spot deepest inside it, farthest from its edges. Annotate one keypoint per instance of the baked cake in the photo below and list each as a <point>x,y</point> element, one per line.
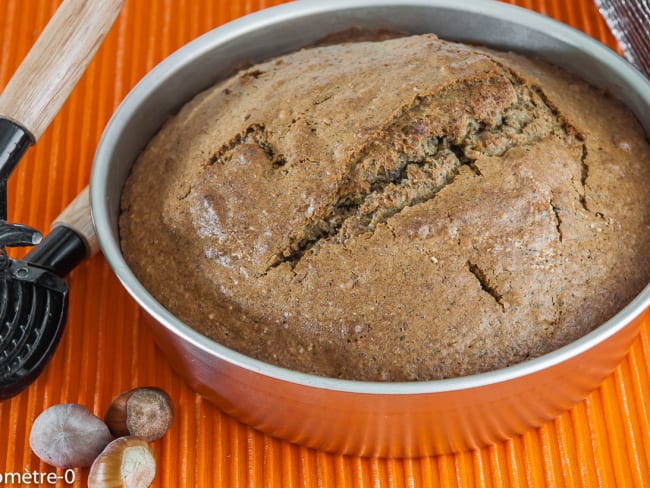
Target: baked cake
<point>394,210</point>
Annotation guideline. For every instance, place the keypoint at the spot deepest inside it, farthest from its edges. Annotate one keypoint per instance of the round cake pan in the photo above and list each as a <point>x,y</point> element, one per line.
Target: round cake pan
<point>353,417</point>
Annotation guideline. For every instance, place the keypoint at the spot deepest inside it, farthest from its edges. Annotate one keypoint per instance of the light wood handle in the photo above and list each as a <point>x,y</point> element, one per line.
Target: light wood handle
<point>77,217</point>
<point>49,72</point>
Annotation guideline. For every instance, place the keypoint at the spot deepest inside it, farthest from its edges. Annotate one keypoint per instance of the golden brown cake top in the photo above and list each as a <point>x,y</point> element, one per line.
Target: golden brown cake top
<point>408,209</point>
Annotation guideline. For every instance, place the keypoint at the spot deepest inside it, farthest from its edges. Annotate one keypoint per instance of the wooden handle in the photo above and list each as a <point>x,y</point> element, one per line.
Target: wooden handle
<point>77,217</point>
<point>55,63</point>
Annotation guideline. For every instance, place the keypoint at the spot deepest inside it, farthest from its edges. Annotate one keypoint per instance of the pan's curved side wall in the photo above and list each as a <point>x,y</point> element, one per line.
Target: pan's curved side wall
<point>400,425</point>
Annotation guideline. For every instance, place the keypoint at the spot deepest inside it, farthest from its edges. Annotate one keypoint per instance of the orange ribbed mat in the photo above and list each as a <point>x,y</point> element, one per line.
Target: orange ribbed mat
<point>603,441</point>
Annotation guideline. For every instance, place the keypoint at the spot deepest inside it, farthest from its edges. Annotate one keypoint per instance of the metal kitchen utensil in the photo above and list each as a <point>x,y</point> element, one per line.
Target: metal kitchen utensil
<point>629,21</point>
<point>33,296</point>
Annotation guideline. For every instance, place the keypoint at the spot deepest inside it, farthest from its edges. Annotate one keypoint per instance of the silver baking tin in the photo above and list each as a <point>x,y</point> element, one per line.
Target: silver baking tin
<point>354,417</point>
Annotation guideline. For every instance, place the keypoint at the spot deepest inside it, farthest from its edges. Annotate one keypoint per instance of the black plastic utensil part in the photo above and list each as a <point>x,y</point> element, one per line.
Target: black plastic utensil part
<point>14,141</point>
<point>33,294</point>
<point>33,307</point>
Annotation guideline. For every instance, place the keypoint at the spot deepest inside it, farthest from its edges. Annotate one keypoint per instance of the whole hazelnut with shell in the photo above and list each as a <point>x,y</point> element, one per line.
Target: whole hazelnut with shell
<point>127,462</point>
<point>142,412</point>
<point>68,435</point>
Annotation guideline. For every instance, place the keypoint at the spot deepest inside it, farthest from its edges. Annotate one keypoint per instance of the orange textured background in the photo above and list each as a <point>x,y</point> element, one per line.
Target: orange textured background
<point>603,441</point>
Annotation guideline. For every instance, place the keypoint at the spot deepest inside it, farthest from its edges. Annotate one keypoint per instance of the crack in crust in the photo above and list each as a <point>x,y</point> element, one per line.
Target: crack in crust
<point>486,286</point>
<point>558,219</point>
<point>416,154</point>
<point>423,159</point>
<point>254,134</point>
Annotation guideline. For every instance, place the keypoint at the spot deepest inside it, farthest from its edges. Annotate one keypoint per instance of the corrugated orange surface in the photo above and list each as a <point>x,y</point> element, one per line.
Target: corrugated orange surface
<point>603,441</point>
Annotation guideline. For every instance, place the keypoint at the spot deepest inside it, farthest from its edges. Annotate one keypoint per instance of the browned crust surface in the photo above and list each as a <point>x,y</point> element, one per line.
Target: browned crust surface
<point>409,209</point>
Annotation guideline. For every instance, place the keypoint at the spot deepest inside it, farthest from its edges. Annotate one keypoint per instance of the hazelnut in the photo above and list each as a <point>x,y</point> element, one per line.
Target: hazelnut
<point>68,436</point>
<point>126,462</point>
<point>141,412</point>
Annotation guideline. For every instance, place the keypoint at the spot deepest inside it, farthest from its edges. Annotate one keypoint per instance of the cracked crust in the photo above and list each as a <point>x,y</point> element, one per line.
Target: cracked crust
<point>408,209</point>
